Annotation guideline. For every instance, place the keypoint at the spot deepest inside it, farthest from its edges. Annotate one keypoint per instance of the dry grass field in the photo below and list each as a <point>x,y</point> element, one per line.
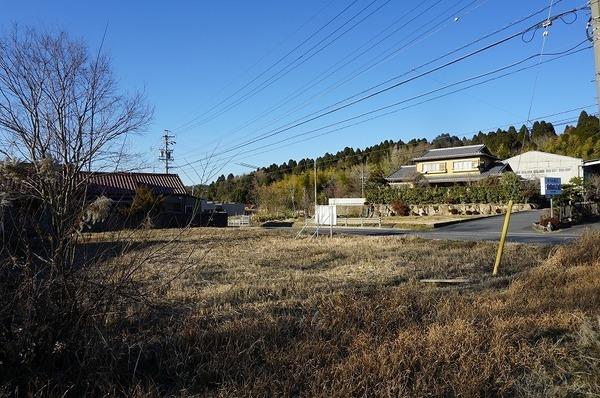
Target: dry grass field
<point>258,313</point>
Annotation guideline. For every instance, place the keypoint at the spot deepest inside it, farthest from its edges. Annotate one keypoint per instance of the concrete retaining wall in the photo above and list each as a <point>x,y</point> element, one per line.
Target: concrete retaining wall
<point>447,210</point>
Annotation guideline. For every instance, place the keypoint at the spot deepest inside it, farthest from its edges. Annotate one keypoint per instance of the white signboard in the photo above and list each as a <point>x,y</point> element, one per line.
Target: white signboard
<point>347,201</point>
<point>550,186</point>
<point>326,215</point>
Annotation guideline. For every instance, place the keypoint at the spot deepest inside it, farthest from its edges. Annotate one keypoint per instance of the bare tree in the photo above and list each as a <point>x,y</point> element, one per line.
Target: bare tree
<point>60,115</point>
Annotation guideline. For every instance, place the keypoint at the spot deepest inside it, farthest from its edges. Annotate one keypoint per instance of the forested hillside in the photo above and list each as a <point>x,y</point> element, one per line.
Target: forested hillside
<point>289,186</point>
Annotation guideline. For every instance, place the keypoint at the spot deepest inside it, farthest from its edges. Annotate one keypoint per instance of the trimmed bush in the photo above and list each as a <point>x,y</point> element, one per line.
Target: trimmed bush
<point>501,191</point>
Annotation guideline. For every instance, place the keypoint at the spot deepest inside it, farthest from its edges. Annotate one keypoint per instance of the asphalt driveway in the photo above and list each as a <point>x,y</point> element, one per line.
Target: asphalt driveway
<point>520,230</point>
<point>483,229</point>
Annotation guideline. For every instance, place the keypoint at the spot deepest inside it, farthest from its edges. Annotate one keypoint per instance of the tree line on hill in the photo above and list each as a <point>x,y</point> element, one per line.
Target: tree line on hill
<point>288,187</point>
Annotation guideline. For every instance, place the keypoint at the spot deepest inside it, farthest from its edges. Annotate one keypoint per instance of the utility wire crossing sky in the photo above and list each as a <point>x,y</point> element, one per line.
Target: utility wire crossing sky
<point>269,81</point>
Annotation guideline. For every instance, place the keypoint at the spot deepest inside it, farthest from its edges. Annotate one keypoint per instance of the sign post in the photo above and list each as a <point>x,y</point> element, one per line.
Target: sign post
<point>550,187</point>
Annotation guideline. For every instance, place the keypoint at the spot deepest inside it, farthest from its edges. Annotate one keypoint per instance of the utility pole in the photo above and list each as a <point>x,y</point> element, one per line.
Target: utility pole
<point>315,182</point>
<point>317,224</point>
<point>362,178</point>
<point>166,153</point>
<point>315,185</point>
<point>595,7</point>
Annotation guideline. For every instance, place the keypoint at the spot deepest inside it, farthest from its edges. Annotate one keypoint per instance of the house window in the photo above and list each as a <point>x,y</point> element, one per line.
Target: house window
<point>433,167</point>
<point>464,165</point>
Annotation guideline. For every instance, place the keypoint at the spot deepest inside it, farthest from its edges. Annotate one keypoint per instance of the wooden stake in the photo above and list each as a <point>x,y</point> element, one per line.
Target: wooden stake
<point>503,237</point>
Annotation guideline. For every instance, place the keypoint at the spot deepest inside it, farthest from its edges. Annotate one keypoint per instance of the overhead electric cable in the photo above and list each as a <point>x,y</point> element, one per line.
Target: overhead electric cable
<point>345,80</point>
<point>560,122</point>
<point>289,68</point>
<point>373,117</point>
<point>299,60</point>
<point>344,61</point>
<point>296,93</point>
<point>329,22</point>
<point>300,122</point>
<point>558,55</point>
<point>454,51</point>
<point>337,84</point>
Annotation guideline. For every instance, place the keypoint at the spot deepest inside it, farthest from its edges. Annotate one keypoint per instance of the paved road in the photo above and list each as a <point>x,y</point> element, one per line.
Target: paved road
<point>489,228</point>
<point>520,230</point>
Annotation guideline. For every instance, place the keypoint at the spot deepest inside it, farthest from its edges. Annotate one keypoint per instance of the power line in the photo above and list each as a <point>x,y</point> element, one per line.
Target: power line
<point>411,42</point>
<point>269,52</point>
<point>293,65</point>
<point>428,63</point>
<point>275,63</point>
<point>555,123</point>
<point>537,74</point>
<point>338,84</point>
<point>561,55</point>
<point>300,121</point>
<point>331,72</point>
<point>343,64</point>
<point>559,122</point>
<point>195,121</point>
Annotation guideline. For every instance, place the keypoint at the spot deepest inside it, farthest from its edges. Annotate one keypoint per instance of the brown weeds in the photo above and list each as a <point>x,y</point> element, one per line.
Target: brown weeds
<point>262,314</point>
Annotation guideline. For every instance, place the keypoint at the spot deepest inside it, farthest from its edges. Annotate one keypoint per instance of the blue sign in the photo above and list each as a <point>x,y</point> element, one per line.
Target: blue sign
<point>550,186</point>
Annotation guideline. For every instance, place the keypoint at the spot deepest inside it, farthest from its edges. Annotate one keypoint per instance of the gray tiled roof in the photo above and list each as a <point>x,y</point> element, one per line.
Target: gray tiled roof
<point>456,152</point>
<point>496,169</point>
<point>404,173</point>
<point>118,185</point>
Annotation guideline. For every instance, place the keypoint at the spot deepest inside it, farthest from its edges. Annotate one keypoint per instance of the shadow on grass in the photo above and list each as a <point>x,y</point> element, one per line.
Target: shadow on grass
<point>95,252</point>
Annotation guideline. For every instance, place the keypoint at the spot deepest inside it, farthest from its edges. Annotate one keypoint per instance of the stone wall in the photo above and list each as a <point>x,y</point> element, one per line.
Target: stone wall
<point>447,210</point>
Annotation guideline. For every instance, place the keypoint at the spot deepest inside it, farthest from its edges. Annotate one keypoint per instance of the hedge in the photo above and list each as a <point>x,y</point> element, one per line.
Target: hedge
<point>506,189</point>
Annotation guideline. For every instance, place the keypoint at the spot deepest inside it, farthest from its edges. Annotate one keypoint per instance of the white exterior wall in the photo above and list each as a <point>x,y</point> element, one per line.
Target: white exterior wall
<point>535,164</point>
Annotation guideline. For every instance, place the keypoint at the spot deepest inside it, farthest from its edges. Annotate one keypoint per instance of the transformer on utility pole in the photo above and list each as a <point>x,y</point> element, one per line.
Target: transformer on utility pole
<point>595,7</point>
<point>166,153</point>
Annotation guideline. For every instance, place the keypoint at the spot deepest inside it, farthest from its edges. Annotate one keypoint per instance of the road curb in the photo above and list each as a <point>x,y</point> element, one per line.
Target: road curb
<point>452,222</point>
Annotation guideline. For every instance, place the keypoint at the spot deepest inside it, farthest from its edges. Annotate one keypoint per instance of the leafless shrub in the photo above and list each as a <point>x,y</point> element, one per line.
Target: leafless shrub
<point>97,211</point>
<point>64,301</point>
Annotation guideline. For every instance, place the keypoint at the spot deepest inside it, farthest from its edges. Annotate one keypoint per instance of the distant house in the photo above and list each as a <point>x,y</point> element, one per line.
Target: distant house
<point>178,207</point>
<point>536,164</point>
<point>447,166</point>
<point>121,187</point>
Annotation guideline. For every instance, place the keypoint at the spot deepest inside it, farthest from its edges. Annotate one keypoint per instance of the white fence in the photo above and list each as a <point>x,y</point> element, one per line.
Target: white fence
<point>238,221</point>
<point>359,221</point>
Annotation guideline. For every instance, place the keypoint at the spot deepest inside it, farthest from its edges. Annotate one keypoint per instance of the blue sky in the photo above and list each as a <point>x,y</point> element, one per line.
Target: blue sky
<point>189,56</point>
